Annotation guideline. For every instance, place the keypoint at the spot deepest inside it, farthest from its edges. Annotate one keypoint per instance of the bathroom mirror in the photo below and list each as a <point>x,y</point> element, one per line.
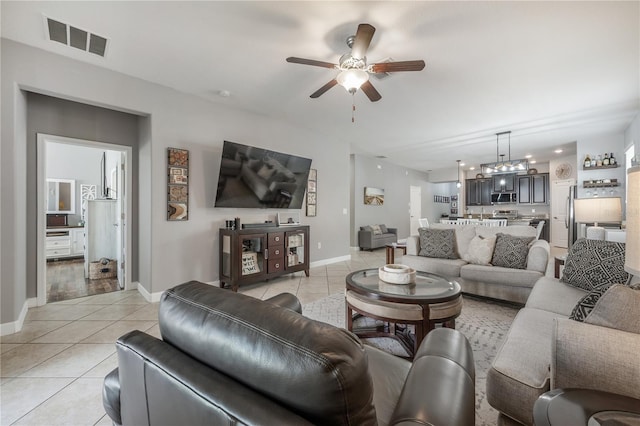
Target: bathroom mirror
<point>61,196</point>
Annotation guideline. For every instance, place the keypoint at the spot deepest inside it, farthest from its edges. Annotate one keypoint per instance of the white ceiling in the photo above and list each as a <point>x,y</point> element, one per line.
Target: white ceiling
<point>551,72</point>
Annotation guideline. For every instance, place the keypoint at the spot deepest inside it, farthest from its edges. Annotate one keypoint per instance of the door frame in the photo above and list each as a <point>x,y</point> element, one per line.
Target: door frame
<point>415,208</point>
<point>41,223</point>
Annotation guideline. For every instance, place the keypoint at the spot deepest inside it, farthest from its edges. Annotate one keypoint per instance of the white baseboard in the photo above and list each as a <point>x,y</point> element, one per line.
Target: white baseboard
<point>330,261</point>
<point>15,326</point>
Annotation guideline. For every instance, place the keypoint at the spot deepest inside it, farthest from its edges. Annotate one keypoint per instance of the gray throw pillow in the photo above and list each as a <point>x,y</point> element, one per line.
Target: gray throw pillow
<point>440,243</point>
<point>384,229</point>
<point>585,305</point>
<point>591,263</point>
<point>511,251</point>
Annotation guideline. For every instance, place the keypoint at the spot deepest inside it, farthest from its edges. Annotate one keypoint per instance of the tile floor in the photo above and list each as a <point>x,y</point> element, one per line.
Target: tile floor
<point>51,372</point>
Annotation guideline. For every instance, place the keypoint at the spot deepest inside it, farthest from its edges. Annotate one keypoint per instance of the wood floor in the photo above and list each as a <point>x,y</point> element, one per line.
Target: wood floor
<point>65,280</point>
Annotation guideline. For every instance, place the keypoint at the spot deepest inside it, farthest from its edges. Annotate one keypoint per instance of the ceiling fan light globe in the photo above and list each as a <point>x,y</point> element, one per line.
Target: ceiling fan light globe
<point>352,79</point>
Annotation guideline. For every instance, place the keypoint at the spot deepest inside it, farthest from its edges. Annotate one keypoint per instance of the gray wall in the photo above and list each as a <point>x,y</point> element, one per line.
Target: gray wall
<point>170,252</point>
<point>396,181</point>
<point>54,116</point>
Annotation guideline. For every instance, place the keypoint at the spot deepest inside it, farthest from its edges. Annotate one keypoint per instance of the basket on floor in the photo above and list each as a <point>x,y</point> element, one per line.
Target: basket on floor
<point>103,268</point>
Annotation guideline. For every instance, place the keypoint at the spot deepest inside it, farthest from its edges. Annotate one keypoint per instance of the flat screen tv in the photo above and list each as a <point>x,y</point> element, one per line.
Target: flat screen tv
<point>252,177</point>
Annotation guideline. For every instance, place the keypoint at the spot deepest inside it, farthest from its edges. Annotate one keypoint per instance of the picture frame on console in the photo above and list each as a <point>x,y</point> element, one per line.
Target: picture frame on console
<point>289,219</point>
<point>312,197</point>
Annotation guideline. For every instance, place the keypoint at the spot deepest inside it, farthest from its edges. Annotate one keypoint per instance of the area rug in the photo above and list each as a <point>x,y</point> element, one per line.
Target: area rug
<point>484,323</point>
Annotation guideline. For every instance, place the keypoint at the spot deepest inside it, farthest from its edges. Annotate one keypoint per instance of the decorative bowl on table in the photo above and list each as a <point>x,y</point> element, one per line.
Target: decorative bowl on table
<point>397,274</point>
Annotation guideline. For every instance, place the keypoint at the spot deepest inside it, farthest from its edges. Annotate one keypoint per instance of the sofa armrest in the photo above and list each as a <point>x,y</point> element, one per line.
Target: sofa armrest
<point>365,239</point>
<point>538,256</point>
<point>440,386</point>
<point>413,245</point>
<point>286,300</point>
<point>594,357</point>
<point>393,230</point>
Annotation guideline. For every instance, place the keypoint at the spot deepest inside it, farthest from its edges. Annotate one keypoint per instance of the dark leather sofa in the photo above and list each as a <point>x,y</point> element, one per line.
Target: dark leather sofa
<point>227,358</point>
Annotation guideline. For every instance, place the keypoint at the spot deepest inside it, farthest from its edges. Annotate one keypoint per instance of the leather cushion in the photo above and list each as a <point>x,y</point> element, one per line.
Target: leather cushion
<point>317,370</point>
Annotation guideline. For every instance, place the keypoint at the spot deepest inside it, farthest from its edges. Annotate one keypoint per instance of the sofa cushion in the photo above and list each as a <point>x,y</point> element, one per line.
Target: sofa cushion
<point>376,229</point>
<point>438,243</point>
<point>617,308</point>
<point>520,370</point>
<point>383,228</point>
<point>550,294</point>
<point>500,275</point>
<point>480,250</point>
<point>511,251</point>
<point>366,228</point>
<point>594,262</point>
<point>585,305</point>
<point>446,267</point>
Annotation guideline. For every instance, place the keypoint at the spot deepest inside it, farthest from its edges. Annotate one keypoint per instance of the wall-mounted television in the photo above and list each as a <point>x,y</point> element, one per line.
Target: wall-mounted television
<point>252,177</point>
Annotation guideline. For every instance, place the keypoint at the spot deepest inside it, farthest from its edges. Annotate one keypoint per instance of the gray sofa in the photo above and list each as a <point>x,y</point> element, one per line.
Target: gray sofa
<point>544,349</point>
<point>369,239</point>
<point>513,285</point>
<point>227,358</point>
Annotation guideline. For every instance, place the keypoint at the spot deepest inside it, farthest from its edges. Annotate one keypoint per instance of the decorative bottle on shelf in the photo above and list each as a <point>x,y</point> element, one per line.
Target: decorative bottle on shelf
<point>612,160</point>
<point>587,161</point>
<point>605,160</point>
<point>598,161</point>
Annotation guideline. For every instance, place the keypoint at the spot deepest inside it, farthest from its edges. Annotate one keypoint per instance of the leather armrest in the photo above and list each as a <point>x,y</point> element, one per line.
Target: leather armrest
<point>440,387</point>
<point>111,396</point>
<point>286,300</point>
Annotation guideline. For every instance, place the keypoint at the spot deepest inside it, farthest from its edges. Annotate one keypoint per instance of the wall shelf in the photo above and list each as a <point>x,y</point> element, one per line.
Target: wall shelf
<point>611,184</point>
<point>600,167</point>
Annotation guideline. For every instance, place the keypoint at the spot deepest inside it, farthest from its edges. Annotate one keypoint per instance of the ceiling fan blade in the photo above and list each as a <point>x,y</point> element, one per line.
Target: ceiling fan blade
<point>324,88</point>
<point>398,66</point>
<point>313,62</point>
<point>362,41</point>
<point>370,91</point>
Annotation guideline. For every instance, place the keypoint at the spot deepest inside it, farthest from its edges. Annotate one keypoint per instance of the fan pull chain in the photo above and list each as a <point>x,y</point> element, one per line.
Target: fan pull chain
<point>353,107</point>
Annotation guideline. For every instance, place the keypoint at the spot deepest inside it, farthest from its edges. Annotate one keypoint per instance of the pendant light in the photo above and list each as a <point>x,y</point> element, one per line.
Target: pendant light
<point>458,183</point>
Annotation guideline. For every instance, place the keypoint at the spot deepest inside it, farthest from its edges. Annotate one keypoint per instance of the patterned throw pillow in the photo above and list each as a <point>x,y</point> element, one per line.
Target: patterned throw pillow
<point>440,243</point>
<point>511,251</point>
<point>384,229</point>
<point>480,250</point>
<point>376,229</point>
<point>585,305</point>
<point>594,262</point>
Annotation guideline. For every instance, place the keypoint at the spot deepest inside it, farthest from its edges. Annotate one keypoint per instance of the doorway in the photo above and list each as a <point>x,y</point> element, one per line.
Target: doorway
<point>415,208</point>
<point>83,252</point>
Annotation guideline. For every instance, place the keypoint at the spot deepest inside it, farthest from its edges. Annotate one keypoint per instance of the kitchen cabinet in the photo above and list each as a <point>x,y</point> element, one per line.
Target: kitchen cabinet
<point>533,189</point>
<point>64,242</point>
<point>478,192</point>
<point>77,241</point>
<point>504,183</point>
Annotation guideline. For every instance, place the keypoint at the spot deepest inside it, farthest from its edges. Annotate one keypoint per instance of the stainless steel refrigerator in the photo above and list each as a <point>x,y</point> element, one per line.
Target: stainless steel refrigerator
<point>570,220</point>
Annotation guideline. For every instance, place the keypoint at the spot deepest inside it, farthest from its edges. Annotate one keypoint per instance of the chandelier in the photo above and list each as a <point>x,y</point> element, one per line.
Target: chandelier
<point>501,165</point>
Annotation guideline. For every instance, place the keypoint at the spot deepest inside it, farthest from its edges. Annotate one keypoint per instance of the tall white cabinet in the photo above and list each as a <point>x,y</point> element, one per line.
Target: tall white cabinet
<point>101,229</point>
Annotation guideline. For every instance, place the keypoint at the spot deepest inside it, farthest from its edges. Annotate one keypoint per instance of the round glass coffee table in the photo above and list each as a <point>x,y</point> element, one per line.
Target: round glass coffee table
<point>431,300</point>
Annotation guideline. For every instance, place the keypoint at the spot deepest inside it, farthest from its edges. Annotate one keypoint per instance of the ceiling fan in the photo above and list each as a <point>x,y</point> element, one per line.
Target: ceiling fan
<point>354,70</point>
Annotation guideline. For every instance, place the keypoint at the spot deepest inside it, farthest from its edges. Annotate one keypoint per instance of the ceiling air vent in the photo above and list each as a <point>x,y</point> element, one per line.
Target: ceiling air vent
<point>75,37</point>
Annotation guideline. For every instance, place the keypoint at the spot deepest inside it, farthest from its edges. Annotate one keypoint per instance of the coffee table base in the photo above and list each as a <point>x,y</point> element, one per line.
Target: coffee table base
<point>396,317</point>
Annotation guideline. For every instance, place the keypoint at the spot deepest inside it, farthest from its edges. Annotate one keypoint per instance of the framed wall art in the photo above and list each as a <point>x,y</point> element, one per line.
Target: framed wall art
<point>373,196</point>
<point>177,184</point>
<point>312,194</point>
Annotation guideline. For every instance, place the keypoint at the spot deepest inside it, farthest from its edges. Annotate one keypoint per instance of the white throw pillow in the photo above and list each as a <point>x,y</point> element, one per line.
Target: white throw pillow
<point>480,250</point>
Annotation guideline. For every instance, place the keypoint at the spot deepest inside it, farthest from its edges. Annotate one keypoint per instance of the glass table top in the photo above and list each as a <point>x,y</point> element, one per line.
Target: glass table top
<point>427,286</point>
